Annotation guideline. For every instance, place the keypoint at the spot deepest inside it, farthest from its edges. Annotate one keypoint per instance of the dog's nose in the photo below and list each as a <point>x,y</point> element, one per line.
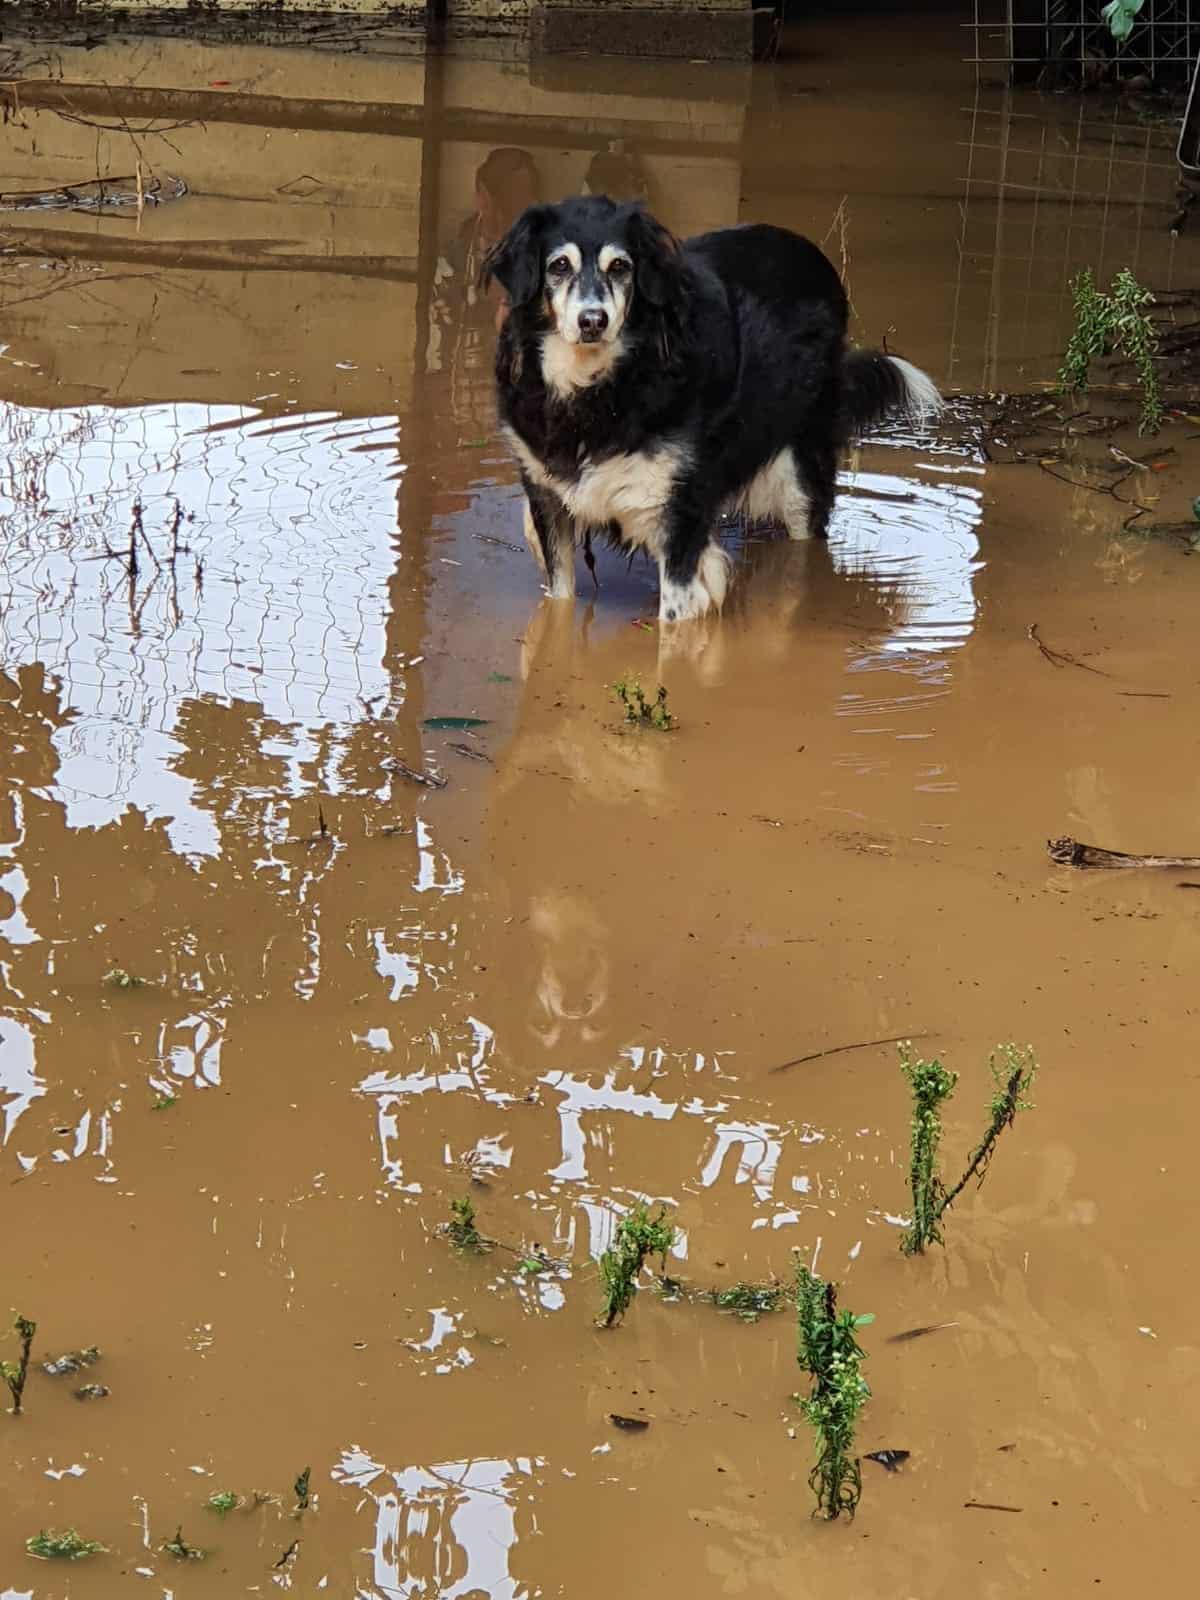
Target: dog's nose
<point>592,324</point>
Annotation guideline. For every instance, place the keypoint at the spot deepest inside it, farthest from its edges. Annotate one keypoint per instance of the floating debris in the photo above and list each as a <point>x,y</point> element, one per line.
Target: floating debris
<point>288,1554</point>
<point>428,780</point>
<point>749,1300</point>
<point>118,978</point>
<point>459,723</point>
<point>918,1333</point>
<point>630,1424</point>
<point>72,1361</point>
<point>1069,852</point>
<point>93,1391</point>
<point>98,194</point>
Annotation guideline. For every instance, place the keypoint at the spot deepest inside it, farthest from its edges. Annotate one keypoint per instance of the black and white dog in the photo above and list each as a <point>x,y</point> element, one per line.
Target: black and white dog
<point>646,386</point>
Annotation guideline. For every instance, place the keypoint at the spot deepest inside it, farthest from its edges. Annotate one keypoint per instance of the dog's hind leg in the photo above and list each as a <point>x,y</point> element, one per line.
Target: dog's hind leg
<point>817,463</point>
<point>550,534</point>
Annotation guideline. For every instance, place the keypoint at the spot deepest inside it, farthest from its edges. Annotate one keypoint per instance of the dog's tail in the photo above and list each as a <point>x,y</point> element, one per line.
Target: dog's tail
<point>875,386</point>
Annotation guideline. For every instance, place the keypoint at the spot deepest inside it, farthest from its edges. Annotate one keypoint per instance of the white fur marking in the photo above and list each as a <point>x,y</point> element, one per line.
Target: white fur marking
<point>922,399</point>
<point>610,253</point>
<point>532,540</point>
<point>689,601</point>
<point>630,489</point>
<point>567,366</point>
<point>573,254</point>
<point>774,494</point>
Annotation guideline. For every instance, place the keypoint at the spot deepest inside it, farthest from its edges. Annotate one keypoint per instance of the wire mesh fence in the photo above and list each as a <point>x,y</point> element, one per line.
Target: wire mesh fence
<point>1058,43</point>
<point>1051,186</point>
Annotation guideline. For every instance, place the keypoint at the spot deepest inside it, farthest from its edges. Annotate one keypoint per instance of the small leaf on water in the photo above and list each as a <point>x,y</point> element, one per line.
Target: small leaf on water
<point>889,1460</point>
<point>455,722</point>
<point>631,1424</point>
<point>864,1320</point>
<point>499,677</point>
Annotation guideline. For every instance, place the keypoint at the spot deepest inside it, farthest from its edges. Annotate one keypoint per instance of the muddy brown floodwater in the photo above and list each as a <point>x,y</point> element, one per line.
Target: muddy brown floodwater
<point>560,983</point>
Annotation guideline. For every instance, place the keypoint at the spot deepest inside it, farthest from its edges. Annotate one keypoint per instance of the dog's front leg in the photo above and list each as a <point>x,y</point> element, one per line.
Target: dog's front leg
<point>550,534</point>
<point>693,569</point>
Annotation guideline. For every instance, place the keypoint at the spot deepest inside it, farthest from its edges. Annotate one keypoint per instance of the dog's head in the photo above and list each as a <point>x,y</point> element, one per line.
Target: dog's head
<point>584,267</point>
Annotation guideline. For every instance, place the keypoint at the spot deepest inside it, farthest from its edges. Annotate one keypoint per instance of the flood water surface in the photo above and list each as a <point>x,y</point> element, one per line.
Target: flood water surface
<point>334,888</point>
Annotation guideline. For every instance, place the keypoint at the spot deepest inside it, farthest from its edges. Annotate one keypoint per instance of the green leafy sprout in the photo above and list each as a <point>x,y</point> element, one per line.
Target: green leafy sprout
<point>1107,321</point>
<point>828,1349</point>
<point>14,1373</point>
<point>463,1233</point>
<point>1013,1073</point>
<point>638,1235</point>
<point>640,711</point>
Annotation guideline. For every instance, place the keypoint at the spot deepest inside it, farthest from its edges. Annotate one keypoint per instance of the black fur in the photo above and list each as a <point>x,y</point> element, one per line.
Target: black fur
<point>734,346</point>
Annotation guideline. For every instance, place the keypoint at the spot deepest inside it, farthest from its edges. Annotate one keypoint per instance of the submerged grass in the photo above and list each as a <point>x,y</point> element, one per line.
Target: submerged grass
<point>181,1549</point>
<point>461,1229</point>
<point>638,1235</point>
<point>638,710</point>
<point>1013,1073</point>
<point>14,1373</point>
<point>828,1349</point>
<point>65,1546</point>
<point>118,978</point>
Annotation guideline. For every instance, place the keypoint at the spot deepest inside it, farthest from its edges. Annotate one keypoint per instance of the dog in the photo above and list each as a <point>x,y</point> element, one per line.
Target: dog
<point>647,386</point>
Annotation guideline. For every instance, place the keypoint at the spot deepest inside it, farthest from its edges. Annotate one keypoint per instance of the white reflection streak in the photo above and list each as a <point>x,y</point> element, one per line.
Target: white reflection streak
<point>18,1079</point>
<point>579,1096</point>
<point>295,531</point>
<point>760,1146</point>
<point>453,1516</point>
<point>428,879</point>
<point>921,538</point>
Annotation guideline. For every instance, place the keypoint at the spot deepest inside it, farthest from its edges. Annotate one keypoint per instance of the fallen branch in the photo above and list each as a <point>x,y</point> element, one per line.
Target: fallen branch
<point>1069,852</point>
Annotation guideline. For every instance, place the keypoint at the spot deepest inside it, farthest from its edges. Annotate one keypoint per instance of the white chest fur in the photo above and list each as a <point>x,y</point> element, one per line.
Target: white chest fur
<point>630,489</point>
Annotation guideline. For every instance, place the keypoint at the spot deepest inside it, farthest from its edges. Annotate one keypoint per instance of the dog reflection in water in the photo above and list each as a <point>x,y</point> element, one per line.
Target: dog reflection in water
<point>567,780</point>
<point>581,933</point>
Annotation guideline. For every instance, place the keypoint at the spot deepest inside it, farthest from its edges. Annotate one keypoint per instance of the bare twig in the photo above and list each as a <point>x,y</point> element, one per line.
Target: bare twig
<point>1059,658</point>
<point>840,1049</point>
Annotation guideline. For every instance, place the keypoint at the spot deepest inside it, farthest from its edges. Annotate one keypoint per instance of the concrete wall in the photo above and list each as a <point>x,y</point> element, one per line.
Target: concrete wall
<point>683,29</point>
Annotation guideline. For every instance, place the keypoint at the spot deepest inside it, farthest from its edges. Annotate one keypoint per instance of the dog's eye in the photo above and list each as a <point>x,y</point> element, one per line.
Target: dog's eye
<point>620,268</point>
<point>559,267</point>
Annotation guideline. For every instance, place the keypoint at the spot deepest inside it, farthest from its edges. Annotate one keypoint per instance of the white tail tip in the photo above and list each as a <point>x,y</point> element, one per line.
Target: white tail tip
<point>923,400</point>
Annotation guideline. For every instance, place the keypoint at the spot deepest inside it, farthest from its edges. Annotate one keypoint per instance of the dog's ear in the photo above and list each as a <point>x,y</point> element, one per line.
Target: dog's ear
<point>657,264</point>
<point>516,262</point>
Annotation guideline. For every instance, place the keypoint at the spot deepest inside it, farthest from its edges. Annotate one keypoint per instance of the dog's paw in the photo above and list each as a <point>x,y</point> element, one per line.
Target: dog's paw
<point>686,602</point>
